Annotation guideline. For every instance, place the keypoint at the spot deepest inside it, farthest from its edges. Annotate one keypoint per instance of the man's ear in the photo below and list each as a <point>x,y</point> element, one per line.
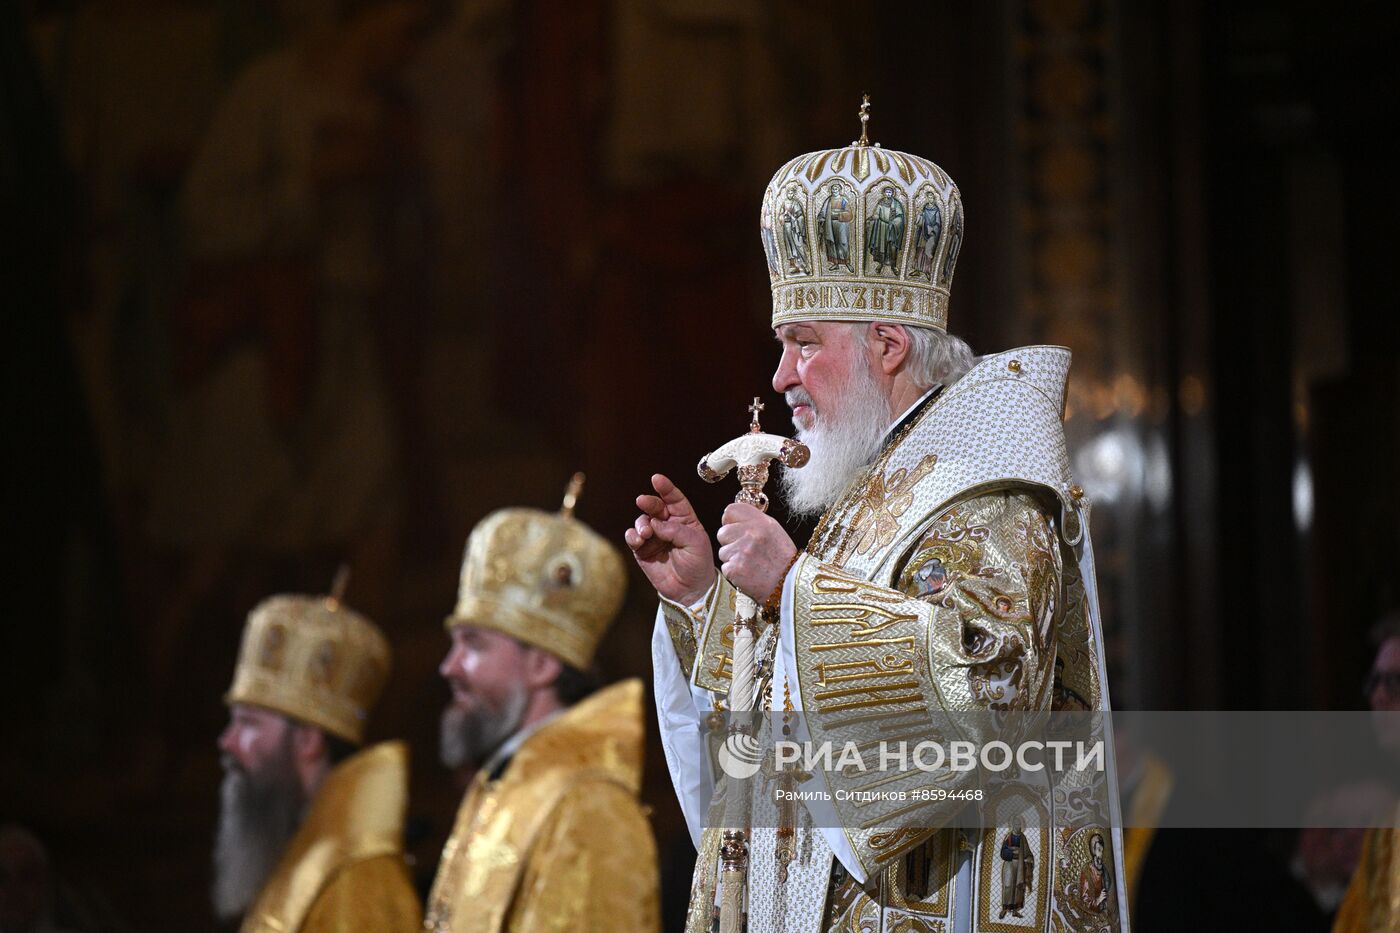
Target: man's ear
<point>890,345</point>
<point>309,745</point>
<point>542,669</point>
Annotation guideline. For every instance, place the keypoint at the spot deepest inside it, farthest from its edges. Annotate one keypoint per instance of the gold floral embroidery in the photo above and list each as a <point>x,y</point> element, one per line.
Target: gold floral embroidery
<point>957,542</point>
<point>1041,569</point>
<point>883,502</point>
<point>999,685</point>
<point>845,523</point>
<point>1007,607</point>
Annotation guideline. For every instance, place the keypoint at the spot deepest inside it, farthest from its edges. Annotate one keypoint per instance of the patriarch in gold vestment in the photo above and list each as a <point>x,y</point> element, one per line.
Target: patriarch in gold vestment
<point>950,573</point>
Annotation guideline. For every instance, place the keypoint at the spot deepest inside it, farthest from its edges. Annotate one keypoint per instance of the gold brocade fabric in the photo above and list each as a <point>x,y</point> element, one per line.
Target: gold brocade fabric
<point>1372,902</point>
<point>544,578</point>
<point>951,577</point>
<point>559,842</point>
<point>982,598</point>
<point>369,895</point>
<point>980,602</point>
<point>344,870</point>
<point>314,659</point>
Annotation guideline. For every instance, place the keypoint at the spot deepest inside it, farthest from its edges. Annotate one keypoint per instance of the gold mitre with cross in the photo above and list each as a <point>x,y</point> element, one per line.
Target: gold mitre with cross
<point>314,659</point>
<point>543,578</point>
<point>861,233</point>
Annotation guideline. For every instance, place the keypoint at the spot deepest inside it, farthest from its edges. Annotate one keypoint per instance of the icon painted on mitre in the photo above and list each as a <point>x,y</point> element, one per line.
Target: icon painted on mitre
<point>562,575</point>
<point>884,232</point>
<point>793,234</point>
<point>770,244</point>
<point>323,664</point>
<point>272,648</point>
<point>928,231</point>
<point>955,237</point>
<point>834,224</point>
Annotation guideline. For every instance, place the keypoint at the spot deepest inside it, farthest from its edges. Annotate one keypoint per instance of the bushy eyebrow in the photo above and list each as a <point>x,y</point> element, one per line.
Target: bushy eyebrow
<point>467,636</point>
<point>789,332</point>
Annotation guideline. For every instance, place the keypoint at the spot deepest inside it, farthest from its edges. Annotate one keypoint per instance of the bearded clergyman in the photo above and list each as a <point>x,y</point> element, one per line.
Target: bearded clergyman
<point>949,574</point>
<point>550,835</point>
<point>310,833</point>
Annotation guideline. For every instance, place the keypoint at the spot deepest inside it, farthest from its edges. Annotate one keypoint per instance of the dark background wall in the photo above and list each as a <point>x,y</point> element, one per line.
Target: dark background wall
<point>291,284</point>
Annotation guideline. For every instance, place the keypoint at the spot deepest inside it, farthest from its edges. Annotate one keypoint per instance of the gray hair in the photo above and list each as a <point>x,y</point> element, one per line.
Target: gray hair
<point>935,357</point>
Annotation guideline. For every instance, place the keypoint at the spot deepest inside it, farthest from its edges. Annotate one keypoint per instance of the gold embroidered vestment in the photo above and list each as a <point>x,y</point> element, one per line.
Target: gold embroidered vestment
<point>344,870</point>
<point>559,842</point>
<point>1372,902</point>
<point>948,579</point>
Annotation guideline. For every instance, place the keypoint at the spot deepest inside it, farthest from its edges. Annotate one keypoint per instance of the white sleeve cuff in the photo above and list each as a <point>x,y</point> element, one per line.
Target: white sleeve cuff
<point>679,712</point>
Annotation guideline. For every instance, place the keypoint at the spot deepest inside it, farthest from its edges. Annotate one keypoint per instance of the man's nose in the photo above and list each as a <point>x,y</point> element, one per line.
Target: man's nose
<point>785,376</point>
<point>449,663</point>
<point>225,741</point>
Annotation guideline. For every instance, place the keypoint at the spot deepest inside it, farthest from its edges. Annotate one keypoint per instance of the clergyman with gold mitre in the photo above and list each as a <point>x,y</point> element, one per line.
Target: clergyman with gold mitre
<point>550,835</point>
<point>949,573</point>
<point>310,833</point>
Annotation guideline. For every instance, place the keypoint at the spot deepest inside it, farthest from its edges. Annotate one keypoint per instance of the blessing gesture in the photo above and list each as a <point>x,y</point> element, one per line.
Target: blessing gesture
<point>670,545</point>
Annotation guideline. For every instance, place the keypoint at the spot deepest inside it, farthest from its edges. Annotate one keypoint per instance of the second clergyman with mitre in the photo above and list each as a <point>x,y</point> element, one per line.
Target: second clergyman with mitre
<point>550,835</point>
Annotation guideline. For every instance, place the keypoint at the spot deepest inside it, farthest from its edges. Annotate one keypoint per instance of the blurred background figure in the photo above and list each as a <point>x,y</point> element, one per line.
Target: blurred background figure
<point>550,835</point>
<point>311,829</point>
<point>305,226</point>
<point>1382,685</point>
<point>1372,899</point>
<point>1308,870</point>
<point>28,895</point>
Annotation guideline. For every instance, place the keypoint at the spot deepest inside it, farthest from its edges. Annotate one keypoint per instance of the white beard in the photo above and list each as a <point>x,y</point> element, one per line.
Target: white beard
<point>469,736</point>
<point>844,440</point>
<point>257,818</point>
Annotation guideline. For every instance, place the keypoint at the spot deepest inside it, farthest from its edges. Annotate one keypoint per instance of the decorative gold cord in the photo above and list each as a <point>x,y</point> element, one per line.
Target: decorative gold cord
<point>775,598</point>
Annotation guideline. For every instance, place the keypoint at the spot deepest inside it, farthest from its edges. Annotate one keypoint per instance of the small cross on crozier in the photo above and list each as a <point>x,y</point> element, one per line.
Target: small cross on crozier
<point>756,407</point>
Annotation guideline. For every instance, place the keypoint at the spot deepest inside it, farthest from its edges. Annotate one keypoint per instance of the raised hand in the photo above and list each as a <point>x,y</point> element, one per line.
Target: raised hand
<point>670,545</point>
